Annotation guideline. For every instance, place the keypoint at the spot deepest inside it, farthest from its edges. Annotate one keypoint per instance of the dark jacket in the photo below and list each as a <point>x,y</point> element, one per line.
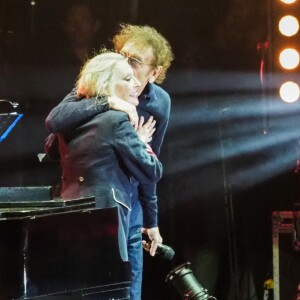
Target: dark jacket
<point>100,157</point>
<point>154,101</point>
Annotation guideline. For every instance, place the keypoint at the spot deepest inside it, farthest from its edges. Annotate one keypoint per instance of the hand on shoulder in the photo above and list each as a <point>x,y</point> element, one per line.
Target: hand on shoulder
<point>116,103</point>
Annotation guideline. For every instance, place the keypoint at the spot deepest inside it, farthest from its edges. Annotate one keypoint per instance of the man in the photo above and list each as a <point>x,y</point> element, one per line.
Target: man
<point>81,27</point>
<point>78,37</point>
<point>150,55</point>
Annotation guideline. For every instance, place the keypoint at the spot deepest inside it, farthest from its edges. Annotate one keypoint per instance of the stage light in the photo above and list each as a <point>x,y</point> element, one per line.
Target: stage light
<point>183,279</point>
<point>288,25</point>
<point>289,58</point>
<point>284,51</point>
<point>289,92</point>
<point>288,1</point>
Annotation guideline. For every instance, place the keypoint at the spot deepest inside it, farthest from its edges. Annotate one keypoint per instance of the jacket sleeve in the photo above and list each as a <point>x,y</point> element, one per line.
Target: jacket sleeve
<point>72,112</point>
<point>144,167</point>
<point>162,123</point>
<point>148,199</point>
<point>147,192</point>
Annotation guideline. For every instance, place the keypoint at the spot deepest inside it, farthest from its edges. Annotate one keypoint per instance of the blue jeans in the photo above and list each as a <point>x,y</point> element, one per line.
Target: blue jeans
<point>123,231</point>
<point>135,250</point>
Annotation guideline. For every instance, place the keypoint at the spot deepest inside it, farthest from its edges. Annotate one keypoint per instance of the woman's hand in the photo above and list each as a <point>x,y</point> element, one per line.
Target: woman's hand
<point>145,130</point>
<point>116,103</point>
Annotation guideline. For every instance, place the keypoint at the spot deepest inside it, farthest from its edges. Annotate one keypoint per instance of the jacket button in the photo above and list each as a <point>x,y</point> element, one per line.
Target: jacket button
<point>81,179</point>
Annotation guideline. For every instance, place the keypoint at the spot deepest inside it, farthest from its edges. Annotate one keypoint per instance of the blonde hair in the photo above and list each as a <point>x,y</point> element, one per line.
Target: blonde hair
<point>144,37</point>
<point>96,77</point>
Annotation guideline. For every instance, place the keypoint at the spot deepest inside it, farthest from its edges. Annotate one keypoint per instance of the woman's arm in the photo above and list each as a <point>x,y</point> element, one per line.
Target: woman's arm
<point>144,167</point>
<point>72,111</point>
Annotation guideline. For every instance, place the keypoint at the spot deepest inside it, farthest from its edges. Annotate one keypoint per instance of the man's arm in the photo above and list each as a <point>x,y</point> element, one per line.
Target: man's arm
<point>162,116</point>
<point>72,111</point>
<point>147,192</point>
<point>148,200</point>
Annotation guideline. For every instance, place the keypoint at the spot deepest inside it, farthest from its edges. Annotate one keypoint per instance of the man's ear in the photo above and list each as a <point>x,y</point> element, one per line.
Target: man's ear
<point>155,74</point>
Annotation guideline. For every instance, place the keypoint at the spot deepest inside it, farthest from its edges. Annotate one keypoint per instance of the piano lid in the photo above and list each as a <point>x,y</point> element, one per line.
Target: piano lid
<point>32,201</point>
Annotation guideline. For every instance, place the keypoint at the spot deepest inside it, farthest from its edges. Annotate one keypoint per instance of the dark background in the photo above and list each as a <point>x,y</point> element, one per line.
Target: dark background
<point>229,160</point>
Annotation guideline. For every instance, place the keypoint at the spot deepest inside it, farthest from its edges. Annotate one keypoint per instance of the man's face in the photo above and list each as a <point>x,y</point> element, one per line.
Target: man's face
<point>144,71</point>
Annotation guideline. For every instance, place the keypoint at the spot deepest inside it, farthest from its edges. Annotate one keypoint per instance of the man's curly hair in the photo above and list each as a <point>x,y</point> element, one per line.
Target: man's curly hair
<point>144,37</point>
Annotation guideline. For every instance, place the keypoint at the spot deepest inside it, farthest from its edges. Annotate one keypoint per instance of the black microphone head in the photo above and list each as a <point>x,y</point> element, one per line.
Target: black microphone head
<point>165,252</point>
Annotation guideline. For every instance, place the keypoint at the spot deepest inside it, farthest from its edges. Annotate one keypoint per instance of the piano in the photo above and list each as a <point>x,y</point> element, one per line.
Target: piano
<point>56,249</point>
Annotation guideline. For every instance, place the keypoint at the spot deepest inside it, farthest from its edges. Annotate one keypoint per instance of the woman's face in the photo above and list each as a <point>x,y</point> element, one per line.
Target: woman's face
<point>126,85</point>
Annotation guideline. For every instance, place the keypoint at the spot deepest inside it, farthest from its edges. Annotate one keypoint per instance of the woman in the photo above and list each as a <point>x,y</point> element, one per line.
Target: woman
<point>99,157</point>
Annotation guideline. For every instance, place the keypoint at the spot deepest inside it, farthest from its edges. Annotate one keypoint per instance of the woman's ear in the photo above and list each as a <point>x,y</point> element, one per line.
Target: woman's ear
<point>155,74</point>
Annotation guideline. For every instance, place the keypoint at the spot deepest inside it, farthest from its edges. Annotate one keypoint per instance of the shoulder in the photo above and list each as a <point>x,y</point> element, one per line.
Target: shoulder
<point>159,92</point>
<point>109,119</point>
<point>110,115</point>
<point>111,123</point>
<point>158,98</point>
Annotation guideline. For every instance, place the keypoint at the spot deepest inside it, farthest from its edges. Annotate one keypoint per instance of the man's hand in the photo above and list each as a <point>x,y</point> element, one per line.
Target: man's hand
<point>146,130</point>
<point>117,103</point>
<point>155,238</point>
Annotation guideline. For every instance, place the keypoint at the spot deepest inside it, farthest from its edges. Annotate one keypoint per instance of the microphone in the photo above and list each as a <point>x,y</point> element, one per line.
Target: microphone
<point>165,252</point>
